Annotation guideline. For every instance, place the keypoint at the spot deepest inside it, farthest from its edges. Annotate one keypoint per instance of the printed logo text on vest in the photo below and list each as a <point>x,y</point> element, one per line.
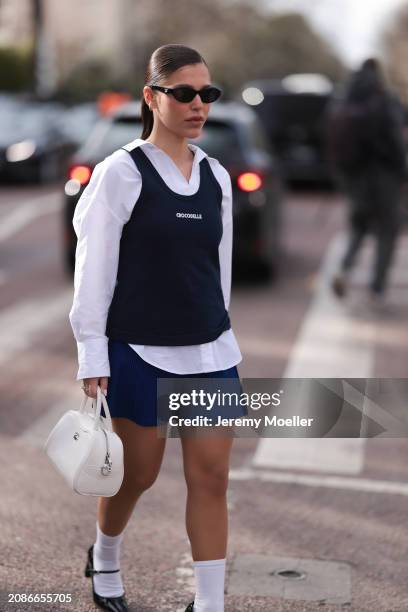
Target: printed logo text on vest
<point>190,215</point>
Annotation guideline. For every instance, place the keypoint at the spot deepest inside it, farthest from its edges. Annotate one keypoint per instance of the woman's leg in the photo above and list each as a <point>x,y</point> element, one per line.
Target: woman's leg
<point>142,456</point>
<point>206,468</point>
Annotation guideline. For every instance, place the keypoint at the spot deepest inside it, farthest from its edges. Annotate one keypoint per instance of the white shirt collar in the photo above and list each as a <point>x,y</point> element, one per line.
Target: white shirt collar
<point>199,154</point>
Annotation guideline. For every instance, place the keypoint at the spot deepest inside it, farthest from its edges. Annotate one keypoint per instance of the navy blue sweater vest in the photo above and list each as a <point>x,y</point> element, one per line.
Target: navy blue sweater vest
<point>168,290</point>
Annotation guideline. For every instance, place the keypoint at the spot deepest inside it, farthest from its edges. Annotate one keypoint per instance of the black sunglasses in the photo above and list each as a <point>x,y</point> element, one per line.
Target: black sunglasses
<point>184,93</point>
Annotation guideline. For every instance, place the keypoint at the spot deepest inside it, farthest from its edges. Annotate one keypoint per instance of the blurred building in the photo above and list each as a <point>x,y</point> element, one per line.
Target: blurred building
<point>15,22</point>
<point>78,30</point>
<point>89,29</point>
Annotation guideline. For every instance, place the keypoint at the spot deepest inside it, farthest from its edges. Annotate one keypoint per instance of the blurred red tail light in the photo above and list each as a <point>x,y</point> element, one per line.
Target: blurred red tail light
<point>249,181</point>
<point>108,101</point>
<point>82,174</point>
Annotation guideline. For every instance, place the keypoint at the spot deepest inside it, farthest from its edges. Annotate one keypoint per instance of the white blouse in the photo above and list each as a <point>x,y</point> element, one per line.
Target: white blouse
<point>104,207</point>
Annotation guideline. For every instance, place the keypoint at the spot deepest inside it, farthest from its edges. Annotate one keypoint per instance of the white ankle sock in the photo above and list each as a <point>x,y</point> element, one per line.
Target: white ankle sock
<point>106,554</point>
<point>210,580</point>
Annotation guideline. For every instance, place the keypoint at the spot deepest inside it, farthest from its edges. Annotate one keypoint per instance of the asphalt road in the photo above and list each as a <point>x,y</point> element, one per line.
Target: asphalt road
<point>335,511</point>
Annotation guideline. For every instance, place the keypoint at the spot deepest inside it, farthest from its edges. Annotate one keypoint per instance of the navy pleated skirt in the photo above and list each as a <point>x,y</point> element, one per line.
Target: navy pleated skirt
<point>132,386</point>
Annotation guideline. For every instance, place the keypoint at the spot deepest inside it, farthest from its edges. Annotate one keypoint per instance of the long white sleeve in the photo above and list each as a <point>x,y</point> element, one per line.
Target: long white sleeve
<point>225,247</point>
<point>102,211</point>
<point>104,207</point>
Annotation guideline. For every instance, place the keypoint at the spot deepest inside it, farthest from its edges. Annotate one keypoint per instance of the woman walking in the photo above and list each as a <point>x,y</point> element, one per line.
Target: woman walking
<point>152,292</point>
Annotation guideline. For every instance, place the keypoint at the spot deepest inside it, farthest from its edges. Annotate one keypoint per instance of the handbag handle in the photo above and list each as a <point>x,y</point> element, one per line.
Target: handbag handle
<point>100,398</point>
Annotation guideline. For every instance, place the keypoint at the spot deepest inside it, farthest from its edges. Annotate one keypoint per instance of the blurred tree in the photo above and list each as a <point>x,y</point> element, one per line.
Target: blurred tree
<point>15,68</point>
<point>87,80</point>
<point>162,22</point>
<point>395,47</point>
<point>238,40</point>
<point>272,47</point>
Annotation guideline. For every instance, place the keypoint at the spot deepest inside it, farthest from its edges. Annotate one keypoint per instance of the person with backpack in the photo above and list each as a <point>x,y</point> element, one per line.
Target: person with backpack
<point>367,150</point>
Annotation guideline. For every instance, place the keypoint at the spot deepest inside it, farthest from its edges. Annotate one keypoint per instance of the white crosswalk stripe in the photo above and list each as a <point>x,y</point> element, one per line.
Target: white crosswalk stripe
<point>312,480</point>
<point>21,324</point>
<point>332,343</point>
<point>26,212</point>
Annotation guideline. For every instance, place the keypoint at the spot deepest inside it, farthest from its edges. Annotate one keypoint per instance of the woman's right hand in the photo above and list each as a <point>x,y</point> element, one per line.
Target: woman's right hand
<point>91,384</point>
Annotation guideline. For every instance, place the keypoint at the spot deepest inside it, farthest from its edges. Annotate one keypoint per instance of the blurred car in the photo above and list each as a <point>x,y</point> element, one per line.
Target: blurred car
<point>77,122</point>
<point>7,101</point>
<point>231,134</point>
<point>293,112</point>
<point>32,147</point>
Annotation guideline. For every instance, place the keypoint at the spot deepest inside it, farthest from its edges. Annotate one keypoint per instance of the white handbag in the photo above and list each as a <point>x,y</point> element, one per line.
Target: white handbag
<point>86,451</point>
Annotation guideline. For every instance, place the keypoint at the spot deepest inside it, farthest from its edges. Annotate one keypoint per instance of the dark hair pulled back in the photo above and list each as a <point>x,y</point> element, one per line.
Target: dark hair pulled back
<point>162,63</point>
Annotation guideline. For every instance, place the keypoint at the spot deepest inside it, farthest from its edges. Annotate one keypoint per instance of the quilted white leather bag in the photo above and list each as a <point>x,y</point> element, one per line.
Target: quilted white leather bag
<point>86,451</point>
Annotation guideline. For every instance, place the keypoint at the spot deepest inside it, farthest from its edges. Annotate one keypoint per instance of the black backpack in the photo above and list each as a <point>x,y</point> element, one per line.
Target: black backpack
<point>347,137</point>
<point>364,132</point>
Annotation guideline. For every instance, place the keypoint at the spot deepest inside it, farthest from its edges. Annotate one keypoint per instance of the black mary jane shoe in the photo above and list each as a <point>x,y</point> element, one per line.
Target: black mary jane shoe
<point>190,607</point>
<point>114,604</point>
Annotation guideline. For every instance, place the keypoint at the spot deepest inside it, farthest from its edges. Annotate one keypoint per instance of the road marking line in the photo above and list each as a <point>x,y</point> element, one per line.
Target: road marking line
<point>37,433</point>
<point>330,344</point>
<point>344,455</point>
<point>334,482</point>
<point>26,212</point>
<point>22,322</point>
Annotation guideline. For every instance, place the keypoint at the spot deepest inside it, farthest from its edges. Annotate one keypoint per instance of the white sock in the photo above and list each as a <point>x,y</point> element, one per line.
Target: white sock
<point>106,553</point>
<point>210,580</point>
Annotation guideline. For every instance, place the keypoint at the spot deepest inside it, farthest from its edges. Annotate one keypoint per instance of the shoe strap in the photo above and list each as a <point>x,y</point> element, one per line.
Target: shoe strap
<point>93,571</point>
